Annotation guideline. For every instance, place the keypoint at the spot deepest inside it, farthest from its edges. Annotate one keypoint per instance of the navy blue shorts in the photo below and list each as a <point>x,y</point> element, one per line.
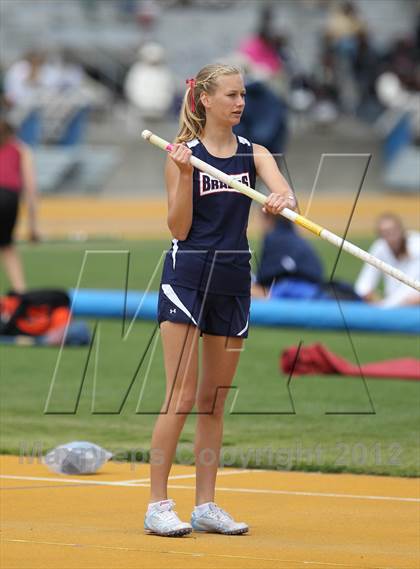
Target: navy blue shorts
<point>217,314</point>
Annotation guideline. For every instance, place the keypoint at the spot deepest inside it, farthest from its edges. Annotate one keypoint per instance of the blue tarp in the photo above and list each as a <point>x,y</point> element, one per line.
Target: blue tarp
<point>310,314</point>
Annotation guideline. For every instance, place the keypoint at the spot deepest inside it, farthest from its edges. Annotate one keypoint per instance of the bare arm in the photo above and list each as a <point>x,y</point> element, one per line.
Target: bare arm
<point>412,300</point>
<point>281,195</point>
<point>369,278</point>
<point>29,189</point>
<point>179,187</point>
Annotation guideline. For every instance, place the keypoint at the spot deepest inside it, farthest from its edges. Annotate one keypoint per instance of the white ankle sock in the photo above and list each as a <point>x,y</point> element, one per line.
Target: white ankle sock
<point>202,508</point>
<point>155,504</point>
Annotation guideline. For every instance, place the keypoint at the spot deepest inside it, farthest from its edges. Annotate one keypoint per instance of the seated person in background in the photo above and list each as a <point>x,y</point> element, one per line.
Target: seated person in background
<point>291,268</point>
<point>288,263</point>
<point>399,248</point>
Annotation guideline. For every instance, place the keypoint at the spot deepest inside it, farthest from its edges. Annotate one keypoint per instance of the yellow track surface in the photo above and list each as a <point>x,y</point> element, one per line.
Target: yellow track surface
<point>297,520</point>
<point>82,217</point>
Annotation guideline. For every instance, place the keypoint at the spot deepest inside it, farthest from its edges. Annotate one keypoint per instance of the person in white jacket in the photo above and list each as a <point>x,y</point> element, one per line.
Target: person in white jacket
<point>401,249</point>
<point>149,84</point>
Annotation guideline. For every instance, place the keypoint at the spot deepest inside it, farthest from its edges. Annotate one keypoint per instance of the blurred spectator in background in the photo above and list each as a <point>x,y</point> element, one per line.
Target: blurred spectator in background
<point>344,28</point>
<point>343,77</point>
<point>323,83</point>
<point>17,177</point>
<point>262,51</point>
<point>365,71</point>
<point>343,35</point>
<point>66,73</point>
<point>27,78</point>
<point>398,84</point>
<point>265,73</point>
<point>289,266</point>
<point>264,119</point>
<point>57,86</point>
<point>149,84</point>
<point>399,248</point>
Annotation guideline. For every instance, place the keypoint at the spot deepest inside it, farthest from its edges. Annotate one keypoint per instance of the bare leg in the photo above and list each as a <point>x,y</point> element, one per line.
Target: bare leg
<point>13,267</point>
<point>220,360</point>
<point>180,347</point>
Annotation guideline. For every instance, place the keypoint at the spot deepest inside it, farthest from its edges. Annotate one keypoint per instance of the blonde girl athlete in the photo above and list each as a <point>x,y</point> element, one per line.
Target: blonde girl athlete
<point>205,289</point>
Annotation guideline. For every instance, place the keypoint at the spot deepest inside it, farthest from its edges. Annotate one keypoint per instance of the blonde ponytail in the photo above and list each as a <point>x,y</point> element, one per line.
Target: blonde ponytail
<point>192,122</point>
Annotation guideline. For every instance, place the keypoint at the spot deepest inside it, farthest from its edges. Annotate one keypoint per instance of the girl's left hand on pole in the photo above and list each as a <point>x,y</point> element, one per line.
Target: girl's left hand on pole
<point>276,202</point>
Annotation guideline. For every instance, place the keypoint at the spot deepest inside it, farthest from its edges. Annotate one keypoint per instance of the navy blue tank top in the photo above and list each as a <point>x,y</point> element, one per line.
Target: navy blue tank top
<point>215,255</point>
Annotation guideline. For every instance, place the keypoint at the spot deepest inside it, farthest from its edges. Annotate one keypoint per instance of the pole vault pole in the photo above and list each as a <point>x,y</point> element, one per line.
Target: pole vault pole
<point>290,214</point>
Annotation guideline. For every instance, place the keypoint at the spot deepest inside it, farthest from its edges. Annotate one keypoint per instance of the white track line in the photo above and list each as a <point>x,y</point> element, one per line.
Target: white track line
<point>137,482</point>
<point>315,494</point>
<point>222,489</point>
<point>64,480</point>
<point>180,476</point>
<point>169,552</point>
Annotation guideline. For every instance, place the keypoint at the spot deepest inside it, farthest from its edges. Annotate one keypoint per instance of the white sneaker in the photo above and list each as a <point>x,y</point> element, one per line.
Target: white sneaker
<point>216,520</point>
<point>161,519</point>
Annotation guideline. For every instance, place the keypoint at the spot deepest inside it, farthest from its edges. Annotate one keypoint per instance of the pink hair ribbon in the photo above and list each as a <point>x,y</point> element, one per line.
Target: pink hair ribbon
<point>191,83</point>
